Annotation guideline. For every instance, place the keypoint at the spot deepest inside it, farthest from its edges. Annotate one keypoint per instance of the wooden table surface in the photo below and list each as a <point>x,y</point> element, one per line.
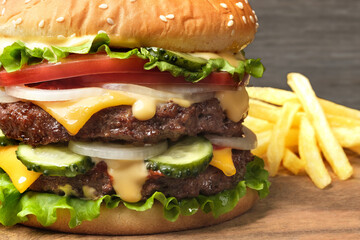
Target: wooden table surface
<point>321,39</point>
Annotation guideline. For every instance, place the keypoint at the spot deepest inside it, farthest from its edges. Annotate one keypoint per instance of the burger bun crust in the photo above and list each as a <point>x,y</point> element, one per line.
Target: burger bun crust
<point>180,25</point>
<point>123,221</point>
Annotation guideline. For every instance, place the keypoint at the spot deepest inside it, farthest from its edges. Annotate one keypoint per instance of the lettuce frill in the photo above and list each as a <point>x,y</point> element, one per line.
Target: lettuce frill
<point>15,56</point>
<point>15,206</point>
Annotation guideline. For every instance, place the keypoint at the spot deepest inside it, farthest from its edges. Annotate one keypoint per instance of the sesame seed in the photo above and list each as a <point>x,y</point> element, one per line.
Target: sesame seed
<point>223,5</point>
<point>73,35</point>
<point>3,12</point>
<point>110,21</point>
<point>257,25</point>
<point>41,24</point>
<point>60,36</point>
<point>246,1</point>
<point>18,21</point>
<point>132,1</point>
<point>252,19</point>
<point>60,19</point>
<point>255,17</point>
<point>163,18</point>
<point>26,1</point>
<point>230,23</point>
<point>170,16</point>
<point>244,19</point>
<point>240,5</point>
<point>231,17</point>
<point>101,31</point>
<point>3,2</point>
<point>233,32</point>
<point>103,6</point>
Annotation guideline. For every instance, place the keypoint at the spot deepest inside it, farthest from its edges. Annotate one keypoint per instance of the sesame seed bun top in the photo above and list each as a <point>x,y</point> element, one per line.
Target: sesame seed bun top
<point>182,25</point>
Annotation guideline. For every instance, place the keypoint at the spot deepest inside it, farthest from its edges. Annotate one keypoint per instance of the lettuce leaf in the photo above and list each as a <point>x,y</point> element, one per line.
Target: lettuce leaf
<point>15,207</point>
<point>15,56</point>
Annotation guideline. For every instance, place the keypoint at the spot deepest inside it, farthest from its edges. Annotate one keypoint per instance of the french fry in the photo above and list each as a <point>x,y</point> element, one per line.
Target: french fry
<point>293,163</point>
<point>292,138</point>
<point>309,151</point>
<point>276,149</point>
<point>280,96</point>
<point>263,138</point>
<point>265,111</point>
<point>347,137</point>
<point>257,125</point>
<point>269,112</point>
<point>332,150</point>
<point>337,109</point>
<point>271,95</point>
<point>340,121</point>
<point>356,149</point>
<point>263,143</point>
<point>294,149</point>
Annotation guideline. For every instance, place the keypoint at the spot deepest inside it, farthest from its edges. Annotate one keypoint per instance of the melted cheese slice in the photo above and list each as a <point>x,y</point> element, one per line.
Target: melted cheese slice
<point>234,103</point>
<point>75,113</point>
<point>222,160</point>
<point>18,173</point>
<point>128,178</point>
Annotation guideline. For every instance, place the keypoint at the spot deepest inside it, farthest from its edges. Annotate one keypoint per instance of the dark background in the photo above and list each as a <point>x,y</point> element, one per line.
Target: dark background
<point>318,38</point>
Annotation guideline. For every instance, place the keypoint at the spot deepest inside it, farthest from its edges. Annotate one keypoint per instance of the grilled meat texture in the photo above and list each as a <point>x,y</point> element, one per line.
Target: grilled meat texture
<point>97,178</point>
<point>30,124</point>
<point>209,182</point>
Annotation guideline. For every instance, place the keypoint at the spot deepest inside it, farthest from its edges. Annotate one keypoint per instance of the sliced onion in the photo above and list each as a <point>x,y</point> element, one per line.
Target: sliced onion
<point>247,142</point>
<point>117,151</point>
<point>5,98</point>
<point>132,88</point>
<point>34,94</point>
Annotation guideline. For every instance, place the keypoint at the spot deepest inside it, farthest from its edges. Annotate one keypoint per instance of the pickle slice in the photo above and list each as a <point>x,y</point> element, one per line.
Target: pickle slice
<point>187,157</point>
<point>53,160</point>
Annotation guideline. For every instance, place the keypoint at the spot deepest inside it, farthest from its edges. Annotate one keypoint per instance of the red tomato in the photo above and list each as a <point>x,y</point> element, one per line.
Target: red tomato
<point>155,174</point>
<point>85,70</point>
<point>217,147</point>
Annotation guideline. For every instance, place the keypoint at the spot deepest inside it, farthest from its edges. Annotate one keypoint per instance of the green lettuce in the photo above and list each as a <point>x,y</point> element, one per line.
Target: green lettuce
<point>15,56</point>
<point>15,206</point>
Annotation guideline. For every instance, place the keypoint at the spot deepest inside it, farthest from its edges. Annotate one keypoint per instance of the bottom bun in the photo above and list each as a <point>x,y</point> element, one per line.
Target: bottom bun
<point>123,221</point>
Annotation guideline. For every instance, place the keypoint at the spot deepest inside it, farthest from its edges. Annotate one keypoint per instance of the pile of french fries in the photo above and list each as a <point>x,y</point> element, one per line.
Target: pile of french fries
<point>297,130</point>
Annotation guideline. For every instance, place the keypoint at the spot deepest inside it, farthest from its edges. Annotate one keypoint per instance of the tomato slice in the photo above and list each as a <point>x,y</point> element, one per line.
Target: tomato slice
<point>217,147</point>
<point>85,70</point>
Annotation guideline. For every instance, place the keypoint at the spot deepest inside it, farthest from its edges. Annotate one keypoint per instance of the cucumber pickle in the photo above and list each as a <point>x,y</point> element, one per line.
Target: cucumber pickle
<point>53,160</point>
<point>4,141</point>
<point>187,157</point>
<point>179,59</point>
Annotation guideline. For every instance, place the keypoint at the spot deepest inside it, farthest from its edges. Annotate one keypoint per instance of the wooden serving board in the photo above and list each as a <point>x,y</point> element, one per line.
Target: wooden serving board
<point>295,209</point>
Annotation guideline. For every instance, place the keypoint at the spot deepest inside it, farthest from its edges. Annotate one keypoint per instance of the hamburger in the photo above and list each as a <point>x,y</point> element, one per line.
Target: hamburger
<point>125,117</point>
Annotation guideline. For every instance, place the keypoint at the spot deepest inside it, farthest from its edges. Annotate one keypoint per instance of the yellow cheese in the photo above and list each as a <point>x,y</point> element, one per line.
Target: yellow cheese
<point>222,160</point>
<point>234,103</point>
<point>128,178</point>
<point>74,114</point>
<point>18,173</point>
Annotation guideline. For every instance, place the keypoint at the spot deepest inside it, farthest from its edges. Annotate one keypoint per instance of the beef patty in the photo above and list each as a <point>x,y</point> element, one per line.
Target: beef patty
<point>31,124</point>
<point>209,182</point>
